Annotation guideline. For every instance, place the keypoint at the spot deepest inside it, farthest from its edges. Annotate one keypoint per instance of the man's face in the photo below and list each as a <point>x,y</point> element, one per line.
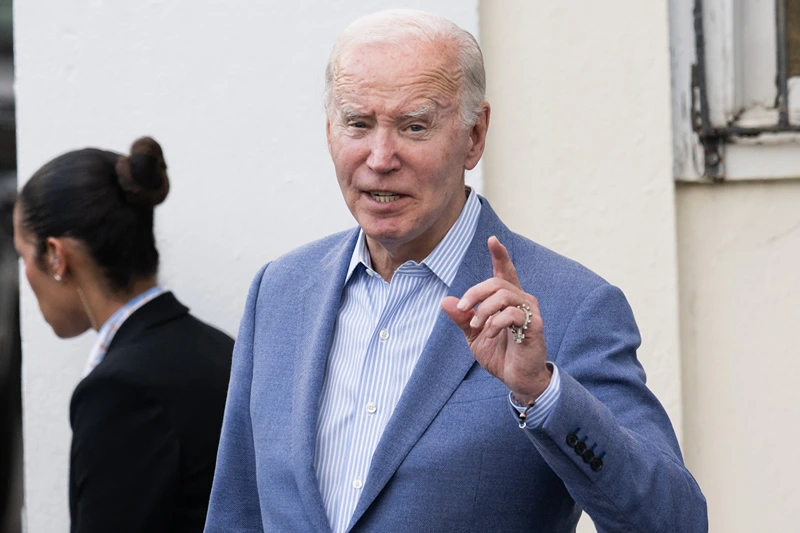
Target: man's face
<point>398,143</point>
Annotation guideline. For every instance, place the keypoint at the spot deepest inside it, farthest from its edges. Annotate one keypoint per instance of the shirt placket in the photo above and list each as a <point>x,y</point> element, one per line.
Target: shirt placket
<point>373,407</point>
<point>354,472</point>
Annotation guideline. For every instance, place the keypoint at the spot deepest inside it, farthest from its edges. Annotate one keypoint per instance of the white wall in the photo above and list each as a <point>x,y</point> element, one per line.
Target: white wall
<point>740,310</point>
<point>232,91</point>
<point>579,153</point>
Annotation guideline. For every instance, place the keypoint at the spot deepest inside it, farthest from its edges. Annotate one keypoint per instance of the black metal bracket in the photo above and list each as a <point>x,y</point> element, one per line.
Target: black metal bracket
<point>713,138</point>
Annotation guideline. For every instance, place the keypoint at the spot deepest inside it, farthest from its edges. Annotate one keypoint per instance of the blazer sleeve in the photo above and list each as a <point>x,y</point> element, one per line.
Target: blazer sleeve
<point>125,460</point>
<point>641,483</point>
<point>234,494</point>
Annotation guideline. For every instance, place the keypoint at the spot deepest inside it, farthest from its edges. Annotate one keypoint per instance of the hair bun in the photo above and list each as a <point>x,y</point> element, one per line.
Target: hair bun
<point>143,174</point>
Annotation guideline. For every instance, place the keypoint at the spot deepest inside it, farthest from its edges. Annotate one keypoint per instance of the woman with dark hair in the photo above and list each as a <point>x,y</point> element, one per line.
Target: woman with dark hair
<point>146,417</point>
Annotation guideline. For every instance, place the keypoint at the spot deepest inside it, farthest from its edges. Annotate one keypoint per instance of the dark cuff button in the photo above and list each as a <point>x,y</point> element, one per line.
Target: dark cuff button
<point>596,464</point>
<point>572,440</point>
<point>580,448</point>
<point>588,455</point>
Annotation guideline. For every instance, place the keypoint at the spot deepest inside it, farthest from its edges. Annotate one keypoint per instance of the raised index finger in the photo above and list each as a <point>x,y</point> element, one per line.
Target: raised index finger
<point>501,262</point>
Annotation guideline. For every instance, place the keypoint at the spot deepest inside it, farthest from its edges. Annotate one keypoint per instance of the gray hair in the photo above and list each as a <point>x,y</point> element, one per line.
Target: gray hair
<point>396,26</point>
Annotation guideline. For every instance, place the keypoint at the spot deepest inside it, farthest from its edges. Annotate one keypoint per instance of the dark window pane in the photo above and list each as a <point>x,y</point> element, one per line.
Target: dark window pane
<point>793,36</point>
<point>5,26</point>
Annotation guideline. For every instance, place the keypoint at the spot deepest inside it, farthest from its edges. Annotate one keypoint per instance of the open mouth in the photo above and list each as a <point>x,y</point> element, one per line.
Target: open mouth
<point>384,197</point>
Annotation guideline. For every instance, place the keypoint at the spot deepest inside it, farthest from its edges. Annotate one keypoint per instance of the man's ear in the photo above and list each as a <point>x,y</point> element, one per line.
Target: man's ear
<point>328,132</point>
<point>477,137</point>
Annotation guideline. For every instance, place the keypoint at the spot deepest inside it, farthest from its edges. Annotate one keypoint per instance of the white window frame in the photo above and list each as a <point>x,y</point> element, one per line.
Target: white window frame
<point>740,41</point>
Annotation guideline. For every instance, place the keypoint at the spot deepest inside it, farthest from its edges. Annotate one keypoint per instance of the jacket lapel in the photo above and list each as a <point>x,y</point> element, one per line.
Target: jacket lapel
<point>321,299</point>
<point>442,366</point>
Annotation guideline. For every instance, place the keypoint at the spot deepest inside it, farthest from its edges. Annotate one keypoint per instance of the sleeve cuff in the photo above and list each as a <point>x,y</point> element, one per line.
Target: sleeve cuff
<point>544,404</point>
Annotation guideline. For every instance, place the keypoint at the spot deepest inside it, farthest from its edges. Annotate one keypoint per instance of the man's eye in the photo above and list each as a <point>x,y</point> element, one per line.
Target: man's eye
<point>416,128</point>
<point>359,125</point>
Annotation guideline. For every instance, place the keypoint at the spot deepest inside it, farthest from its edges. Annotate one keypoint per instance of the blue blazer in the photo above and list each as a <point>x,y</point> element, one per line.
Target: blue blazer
<point>452,457</point>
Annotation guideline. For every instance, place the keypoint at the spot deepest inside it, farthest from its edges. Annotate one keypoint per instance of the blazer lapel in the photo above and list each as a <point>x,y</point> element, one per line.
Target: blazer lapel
<point>321,299</point>
<point>441,367</point>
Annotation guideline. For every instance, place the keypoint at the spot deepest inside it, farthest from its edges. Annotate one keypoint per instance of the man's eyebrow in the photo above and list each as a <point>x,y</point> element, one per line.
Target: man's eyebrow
<point>350,113</point>
<point>420,111</point>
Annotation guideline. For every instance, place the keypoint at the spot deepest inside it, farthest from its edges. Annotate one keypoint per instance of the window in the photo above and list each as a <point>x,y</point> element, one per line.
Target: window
<point>736,89</point>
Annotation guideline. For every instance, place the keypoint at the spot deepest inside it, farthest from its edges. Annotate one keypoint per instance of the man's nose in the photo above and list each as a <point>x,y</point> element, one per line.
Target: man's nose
<point>383,152</point>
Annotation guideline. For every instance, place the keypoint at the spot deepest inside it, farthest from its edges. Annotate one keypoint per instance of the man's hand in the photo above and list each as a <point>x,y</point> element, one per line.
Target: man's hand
<point>522,367</point>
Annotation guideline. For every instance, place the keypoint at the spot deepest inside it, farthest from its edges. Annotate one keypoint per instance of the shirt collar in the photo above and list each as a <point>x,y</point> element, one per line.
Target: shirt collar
<point>360,256</point>
<point>128,308</point>
<point>445,259</point>
<point>112,325</point>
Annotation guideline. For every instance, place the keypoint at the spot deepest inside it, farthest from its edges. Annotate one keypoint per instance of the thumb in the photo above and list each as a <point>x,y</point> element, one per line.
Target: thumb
<point>459,317</point>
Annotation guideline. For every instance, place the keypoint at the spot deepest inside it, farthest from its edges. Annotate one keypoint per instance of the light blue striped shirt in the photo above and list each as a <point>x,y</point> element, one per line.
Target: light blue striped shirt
<point>380,332</point>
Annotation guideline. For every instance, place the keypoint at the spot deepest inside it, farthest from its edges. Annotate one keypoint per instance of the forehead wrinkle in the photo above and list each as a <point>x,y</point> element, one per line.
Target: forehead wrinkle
<point>416,99</point>
<point>442,81</point>
<point>439,79</point>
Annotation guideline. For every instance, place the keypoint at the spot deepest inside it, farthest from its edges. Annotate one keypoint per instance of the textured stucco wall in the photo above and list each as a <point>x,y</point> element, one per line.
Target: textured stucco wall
<point>579,155</point>
<point>232,90</point>
<point>740,310</point>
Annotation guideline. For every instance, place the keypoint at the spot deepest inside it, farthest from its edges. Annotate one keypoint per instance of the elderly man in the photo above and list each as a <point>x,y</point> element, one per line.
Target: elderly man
<point>431,370</point>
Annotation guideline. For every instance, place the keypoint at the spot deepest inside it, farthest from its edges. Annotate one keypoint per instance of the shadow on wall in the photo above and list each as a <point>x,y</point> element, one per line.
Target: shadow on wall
<point>10,356</point>
<point>10,362</point>
<point>10,359</point>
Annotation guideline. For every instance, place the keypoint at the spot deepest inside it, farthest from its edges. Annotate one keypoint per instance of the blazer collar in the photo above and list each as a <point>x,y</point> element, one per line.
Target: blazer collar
<point>157,311</point>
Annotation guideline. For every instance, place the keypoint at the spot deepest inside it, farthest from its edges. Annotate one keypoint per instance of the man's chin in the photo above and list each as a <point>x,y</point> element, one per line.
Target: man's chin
<point>382,228</point>
<point>384,237</point>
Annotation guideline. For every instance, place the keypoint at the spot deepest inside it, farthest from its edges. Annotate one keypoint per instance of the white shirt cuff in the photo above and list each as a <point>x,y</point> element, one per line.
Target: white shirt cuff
<point>544,403</point>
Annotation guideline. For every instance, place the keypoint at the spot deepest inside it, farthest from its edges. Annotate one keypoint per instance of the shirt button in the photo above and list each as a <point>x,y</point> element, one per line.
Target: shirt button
<point>357,484</point>
<point>371,408</point>
<point>384,334</point>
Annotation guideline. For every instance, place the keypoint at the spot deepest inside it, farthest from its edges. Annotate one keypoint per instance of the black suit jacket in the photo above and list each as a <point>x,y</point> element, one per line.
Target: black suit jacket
<point>146,425</point>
